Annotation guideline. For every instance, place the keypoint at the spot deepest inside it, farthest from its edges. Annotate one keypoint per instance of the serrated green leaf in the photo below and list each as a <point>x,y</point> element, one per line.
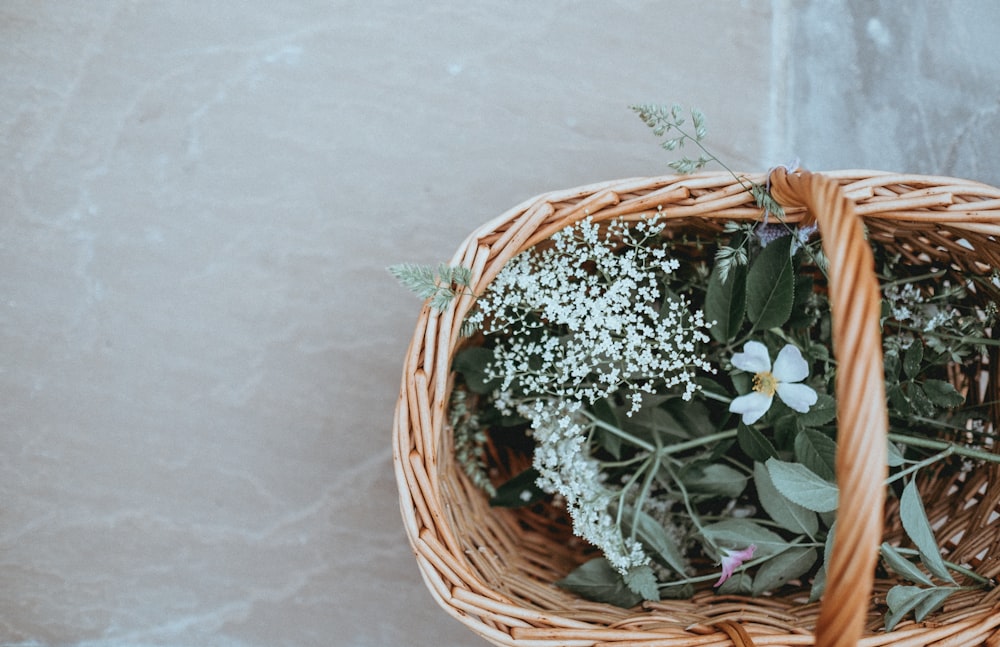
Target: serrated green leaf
<point>715,479</point>
<point>818,585</point>
<point>801,316</point>
<point>803,486</point>
<point>519,491</point>
<point>655,539</point>
<point>472,363</point>
<point>786,513</point>
<point>740,583</point>
<point>818,452</point>
<point>599,581</point>
<point>778,570</point>
<point>610,442</point>
<point>933,599</point>
<point>786,429</point>
<point>820,413</point>
<point>901,600</point>
<point>771,286</point>
<point>740,533</point>
<point>897,398</point>
<point>892,366</point>
<point>942,393</point>
<point>921,404</point>
<point>898,564</point>
<point>754,444</point>
<point>642,581</point>
<point>912,358</point>
<point>918,529</point>
<point>726,302</point>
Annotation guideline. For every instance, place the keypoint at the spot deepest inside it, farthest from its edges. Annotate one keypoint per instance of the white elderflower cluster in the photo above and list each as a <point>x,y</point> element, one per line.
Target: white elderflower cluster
<point>586,318</point>
<point>566,468</point>
<point>905,304</point>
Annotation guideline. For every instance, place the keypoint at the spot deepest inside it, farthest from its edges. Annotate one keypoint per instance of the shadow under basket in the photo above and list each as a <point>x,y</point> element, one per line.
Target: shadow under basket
<point>493,568</point>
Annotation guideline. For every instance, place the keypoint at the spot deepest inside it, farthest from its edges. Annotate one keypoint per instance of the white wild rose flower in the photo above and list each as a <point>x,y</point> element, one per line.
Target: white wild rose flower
<point>784,378</point>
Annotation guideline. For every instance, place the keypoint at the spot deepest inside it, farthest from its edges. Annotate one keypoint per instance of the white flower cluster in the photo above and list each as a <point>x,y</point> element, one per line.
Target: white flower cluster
<point>566,468</point>
<point>583,319</point>
<point>586,318</point>
<point>908,306</point>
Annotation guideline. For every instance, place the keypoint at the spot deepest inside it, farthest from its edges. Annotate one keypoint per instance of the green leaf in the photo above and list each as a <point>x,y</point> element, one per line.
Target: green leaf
<point>726,302</point>
<point>921,404</point>
<point>786,429</point>
<point>652,420</point>
<point>770,286</point>
<point>820,413</point>
<point>740,533</point>
<point>819,584</point>
<point>471,362</point>
<point>933,599</point>
<point>519,491</point>
<point>778,570</point>
<point>599,581</point>
<point>692,418</point>
<point>903,567</point>
<point>912,358</point>
<point>654,538</point>
<point>802,317</point>
<point>754,444</point>
<point>611,442</point>
<point>918,529</point>
<point>803,486</point>
<point>818,452</point>
<point>715,479</point>
<point>787,514</point>
<point>902,599</point>
<point>892,366</point>
<point>739,584</point>
<point>896,458</point>
<point>942,393</point>
<point>642,581</point>
<point>897,398</point>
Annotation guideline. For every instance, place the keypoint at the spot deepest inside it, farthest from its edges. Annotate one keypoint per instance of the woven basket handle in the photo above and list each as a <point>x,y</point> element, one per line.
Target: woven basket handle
<point>862,425</point>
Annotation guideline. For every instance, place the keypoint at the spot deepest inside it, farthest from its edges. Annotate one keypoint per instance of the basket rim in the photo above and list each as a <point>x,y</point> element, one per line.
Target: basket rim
<point>969,207</point>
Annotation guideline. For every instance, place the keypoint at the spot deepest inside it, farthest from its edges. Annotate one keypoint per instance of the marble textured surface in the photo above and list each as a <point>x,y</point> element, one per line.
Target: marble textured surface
<point>201,346</point>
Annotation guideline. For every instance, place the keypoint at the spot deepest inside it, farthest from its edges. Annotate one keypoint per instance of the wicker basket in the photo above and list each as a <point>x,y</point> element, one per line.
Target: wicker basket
<point>492,569</point>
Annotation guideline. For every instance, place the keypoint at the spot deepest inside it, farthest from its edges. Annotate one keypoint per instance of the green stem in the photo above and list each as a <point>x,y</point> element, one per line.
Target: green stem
<point>912,279</point>
<point>924,463</point>
<point>624,435</point>
<point>697,442</point>
<point>964,339</point>
<point>913,552</point>
<point>941,445</point>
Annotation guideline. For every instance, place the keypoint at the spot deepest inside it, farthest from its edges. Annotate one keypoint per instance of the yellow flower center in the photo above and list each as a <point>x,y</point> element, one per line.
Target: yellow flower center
<point>765,383</point>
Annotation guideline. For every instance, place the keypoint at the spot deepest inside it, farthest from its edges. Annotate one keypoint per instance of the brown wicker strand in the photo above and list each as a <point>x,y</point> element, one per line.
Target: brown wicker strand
<point>493,569</point>
<point>863,424</point>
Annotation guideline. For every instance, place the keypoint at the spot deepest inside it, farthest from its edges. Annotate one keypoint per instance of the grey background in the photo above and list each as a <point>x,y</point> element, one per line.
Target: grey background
<point>199,344</point>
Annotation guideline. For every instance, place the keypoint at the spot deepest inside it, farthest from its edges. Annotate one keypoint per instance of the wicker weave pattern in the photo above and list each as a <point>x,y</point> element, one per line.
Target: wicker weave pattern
<point>491,569</point>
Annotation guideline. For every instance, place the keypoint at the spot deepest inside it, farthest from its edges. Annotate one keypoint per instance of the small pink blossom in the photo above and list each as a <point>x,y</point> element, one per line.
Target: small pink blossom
<point>733,559</point>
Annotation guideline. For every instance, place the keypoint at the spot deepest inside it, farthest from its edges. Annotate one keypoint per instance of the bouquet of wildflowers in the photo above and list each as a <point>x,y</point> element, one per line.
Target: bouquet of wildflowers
<point>678,395</point>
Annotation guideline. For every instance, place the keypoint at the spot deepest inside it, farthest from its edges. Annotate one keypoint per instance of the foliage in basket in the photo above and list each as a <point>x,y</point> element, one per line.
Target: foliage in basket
<point>678,391</point>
